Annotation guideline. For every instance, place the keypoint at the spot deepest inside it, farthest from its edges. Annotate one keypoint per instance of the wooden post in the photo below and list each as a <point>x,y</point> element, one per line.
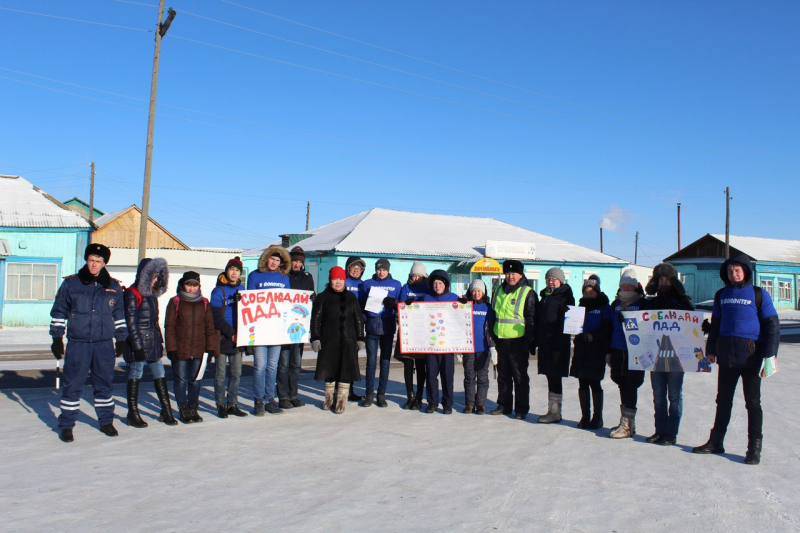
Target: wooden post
<point>727,222</point>
<point>679,226</point>
<point>601,239</point>
<point>91,197</point>
<point>636,250</point>
<point>308,214</point>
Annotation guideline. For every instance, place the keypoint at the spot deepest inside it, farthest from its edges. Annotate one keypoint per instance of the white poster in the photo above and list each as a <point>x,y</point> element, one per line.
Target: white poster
<point>665,341</point>
<point>436,327</point>
<point>375,300</point>
<point>269,317</point>
<point>573,319</point>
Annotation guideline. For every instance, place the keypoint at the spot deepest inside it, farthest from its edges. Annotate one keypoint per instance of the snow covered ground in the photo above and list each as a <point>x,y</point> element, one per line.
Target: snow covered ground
<point>374,469</point>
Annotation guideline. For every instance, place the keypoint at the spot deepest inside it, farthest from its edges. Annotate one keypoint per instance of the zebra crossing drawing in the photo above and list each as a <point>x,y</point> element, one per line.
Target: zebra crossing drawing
<point>667,359</point>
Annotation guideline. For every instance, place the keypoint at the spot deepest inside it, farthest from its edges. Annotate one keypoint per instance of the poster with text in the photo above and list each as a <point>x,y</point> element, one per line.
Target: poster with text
<point>436,327</point>
<point>273,316</point>
<point>665,341</point>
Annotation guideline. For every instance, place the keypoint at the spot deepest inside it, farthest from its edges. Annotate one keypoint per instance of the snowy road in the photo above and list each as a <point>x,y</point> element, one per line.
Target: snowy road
<point>392,470</point>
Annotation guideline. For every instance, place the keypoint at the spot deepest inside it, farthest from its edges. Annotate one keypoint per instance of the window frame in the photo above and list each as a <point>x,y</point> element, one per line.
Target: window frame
<point>32,262</point>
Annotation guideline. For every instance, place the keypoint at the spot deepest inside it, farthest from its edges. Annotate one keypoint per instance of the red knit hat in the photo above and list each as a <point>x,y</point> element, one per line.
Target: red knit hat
<point>337,272</point>
<point>235,262</point>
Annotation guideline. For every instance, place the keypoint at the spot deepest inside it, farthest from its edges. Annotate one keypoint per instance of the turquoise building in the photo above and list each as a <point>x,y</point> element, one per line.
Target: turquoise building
<point>41,241</point>
<point>450,243</point>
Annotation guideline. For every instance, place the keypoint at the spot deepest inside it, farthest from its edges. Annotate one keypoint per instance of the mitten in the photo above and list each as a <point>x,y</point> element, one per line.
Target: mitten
<point>119,348</point>
<point>316,346</point>
<point>57,347</point>
<point>493,354</point>
<point>361,345</point>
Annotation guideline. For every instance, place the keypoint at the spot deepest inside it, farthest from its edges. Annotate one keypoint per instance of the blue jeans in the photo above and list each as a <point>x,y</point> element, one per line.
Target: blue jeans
<point>289,370</point>
<point>136,369</point>
<point>385,343</point>
<point>265,372</point>
<point>667,386</point>
<point>183,371</point>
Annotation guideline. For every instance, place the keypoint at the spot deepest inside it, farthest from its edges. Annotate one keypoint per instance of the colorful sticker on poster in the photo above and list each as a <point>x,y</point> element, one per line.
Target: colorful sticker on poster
<point>273,317</point>
<point>436,327</point>
<point>665,341</point>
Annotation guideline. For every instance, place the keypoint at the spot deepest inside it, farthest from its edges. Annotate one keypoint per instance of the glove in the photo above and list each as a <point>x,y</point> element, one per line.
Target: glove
<point>139,355</point>
<point>316,346</point>
<point>459,358</point>
<point>389,302</point>
<point>249,350</point>
<point>313,295</point>
<point>462,300</point>
<point>493,354</point>
<point>119,348</point>
<point>237,296</point>
<point>172,355</point>
<point>620,317</point>
<point>361,345</point>
<point>409,301</point>
<point>57,347</point>
<point>705,326</point>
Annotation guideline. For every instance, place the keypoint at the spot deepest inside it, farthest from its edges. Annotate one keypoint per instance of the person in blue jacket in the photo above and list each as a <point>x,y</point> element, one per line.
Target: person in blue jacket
<point>273,273</point>
<point>742,335</point>
<point>476,365</point>
<point>380,331</point>
<point>440,365</point>
<point>415,289</point>
<point>355,267</point>
<point>88,308</point>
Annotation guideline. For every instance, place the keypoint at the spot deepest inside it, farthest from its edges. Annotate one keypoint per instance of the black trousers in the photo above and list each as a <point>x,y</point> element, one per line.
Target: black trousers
<point>421,366</point>
<point>726,387</point>
<point>627,380</point>
<point>513,382</point>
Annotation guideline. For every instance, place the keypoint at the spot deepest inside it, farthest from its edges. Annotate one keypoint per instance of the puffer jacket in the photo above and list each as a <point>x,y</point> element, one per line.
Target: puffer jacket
<point>224,309</point>
<point>591,346</point>
<point>189,328</point>
<point>141,310</point>
<point>554,344</point>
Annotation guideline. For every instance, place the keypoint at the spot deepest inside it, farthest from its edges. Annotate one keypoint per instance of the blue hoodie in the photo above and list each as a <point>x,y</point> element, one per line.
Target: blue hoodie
<point>481,311</point>
<point>267,280</point>
<point>447,296</point>
<point>382,323</point>
<point>416,291</point>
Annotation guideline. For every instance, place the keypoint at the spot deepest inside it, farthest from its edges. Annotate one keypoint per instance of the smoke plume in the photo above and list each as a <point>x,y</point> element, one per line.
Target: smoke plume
<point>614,219</point>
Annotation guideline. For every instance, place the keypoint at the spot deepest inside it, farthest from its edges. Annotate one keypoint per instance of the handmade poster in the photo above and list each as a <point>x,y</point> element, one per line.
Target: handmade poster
<point>273,316</point>
<point>573,320</point>
<point>665,341</point>
<point>375,300</point>
<point>436,327</point>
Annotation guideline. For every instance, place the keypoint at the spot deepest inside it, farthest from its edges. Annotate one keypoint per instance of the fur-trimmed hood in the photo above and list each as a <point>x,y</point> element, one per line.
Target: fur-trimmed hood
<point>144,276</point>
<point>665,270</point>
<point>286,261</point>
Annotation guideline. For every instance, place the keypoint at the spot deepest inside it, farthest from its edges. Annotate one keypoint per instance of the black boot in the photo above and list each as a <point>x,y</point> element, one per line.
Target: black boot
<point>586,410</point>
<point>409,401</point>
<point>353,397</point>
<point>233,409</point>
<point>134,419</point>
<point>597,417</point>
<point>185,413</point>
<point>195,417</point>
<point>753,455</point>
<point>66,435</point>
<point>222,411</point>
<point>367,400</point>
<point>109,430</point>
<point>381,401</point>
<point>163,397</point>
<point>714,444</point>
<point>416,405</point>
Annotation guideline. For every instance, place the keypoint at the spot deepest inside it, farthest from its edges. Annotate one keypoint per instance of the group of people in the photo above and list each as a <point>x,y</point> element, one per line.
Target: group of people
<point>102,320</point>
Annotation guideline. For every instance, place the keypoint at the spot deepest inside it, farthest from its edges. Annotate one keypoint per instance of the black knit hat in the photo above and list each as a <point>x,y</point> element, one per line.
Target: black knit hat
<point>512,265</point>
<point>99,250</point>
<point>297,254</point>
<point>382,264</point>
<point>236,262</point>
<point>189,276</point>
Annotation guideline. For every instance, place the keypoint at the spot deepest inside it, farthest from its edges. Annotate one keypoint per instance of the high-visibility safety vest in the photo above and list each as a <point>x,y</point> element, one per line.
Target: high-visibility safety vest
<point>509,309</point>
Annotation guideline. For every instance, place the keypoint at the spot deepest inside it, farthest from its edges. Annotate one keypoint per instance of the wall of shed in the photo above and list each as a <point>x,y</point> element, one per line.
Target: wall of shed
<point>123,232</point>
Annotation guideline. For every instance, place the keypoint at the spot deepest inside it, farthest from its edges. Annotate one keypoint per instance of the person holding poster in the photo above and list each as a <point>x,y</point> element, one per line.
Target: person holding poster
<point>355,267</point>
<point>554,344</point>
<point>415,289</point>
<point>272,273</point>
<point>743,334</point>
<point>630,297</point>
<point>188,334</point>
<point>667,386</point>
<point>476,365</point>
<point>514,333</point>
<point>589,355</point>
<point>440,364</point>
<point>381,325</point>
<point>337,334</point>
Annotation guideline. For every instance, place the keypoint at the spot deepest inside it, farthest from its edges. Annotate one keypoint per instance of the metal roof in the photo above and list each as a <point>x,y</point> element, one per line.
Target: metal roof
<point>22,205</point>
<point>386,231</point>
<point>761,249</point>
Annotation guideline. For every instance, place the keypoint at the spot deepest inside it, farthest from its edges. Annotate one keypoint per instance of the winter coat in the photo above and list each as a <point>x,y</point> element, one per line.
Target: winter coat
<point>302,281</point>
<point>224,309</point>
<point>189,328</point>
<point>264,279</point>
<point>619,347</point>
<point>741,335</point>
<point>591,346</point>
<point>554,344</point>
<point>355,285</point>
<point>141,310</point>
<point>336,322</point>
<point>382,323</point>
<point>528,313</point>
<point>415,291</point>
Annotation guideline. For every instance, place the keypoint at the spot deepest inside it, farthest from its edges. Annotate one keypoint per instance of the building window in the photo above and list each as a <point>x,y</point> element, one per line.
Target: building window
<point>31,281</point>
<point>533,279</point>
<point>784,290</point>
<point>766,284</point>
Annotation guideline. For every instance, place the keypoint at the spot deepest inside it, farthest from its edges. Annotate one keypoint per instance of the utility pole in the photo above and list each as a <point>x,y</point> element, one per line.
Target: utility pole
<point>308,214</point>
<point>679,226</point>
<point>636,250</point>
<point>91,197</point>
<point>148,158</point>
<point>601,239</point>
<point>727,222</point>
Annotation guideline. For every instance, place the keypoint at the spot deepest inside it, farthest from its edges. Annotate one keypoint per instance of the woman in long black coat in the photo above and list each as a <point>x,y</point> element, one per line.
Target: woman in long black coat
<point>337,334</point>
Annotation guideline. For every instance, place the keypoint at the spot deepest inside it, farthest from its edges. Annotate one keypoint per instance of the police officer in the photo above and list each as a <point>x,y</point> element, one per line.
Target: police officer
<point>91,301</point>
<point>514,334</point>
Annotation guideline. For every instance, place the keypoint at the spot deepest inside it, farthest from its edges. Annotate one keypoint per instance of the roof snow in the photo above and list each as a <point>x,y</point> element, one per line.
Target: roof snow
<point>385,231</point>
<point>22,205</point>
<point>760,249</point>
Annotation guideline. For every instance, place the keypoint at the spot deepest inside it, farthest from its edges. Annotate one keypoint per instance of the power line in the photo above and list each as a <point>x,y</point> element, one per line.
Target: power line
<point>76,20</point>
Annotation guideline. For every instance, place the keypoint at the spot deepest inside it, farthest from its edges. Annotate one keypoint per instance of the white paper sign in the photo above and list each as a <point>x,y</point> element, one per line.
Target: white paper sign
<point>665,341</point>
<point>573,320</point>
<point>375,300</point>
<point>436,327</point>
<point>269,317</point>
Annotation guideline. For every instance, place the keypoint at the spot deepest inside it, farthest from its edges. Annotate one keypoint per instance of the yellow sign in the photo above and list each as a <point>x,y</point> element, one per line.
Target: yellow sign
<point>487,265</point>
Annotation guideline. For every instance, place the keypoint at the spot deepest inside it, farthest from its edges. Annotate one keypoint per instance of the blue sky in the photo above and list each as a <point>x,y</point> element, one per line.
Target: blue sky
<point>544,115</point>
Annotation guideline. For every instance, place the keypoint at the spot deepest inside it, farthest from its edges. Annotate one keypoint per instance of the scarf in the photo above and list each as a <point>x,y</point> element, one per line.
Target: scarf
<point>190,296</point>
<point>628,297</point>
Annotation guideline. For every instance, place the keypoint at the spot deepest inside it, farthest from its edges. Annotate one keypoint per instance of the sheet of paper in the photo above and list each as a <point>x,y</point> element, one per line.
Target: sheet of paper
<point>375,300</point>
<point>202,370</point>
<point>573,320</point>
<point>768,367</point>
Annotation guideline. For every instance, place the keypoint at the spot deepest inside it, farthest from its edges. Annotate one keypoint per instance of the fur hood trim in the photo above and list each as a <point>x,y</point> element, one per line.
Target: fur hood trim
<point>144,275</point>
<point>286,261</point>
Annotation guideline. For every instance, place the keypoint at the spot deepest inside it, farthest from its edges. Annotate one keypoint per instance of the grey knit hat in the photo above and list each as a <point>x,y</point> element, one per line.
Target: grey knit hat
<point>629,276</point>
<point>557,273</point>
<point>417,268</point>
<point>477,284</point>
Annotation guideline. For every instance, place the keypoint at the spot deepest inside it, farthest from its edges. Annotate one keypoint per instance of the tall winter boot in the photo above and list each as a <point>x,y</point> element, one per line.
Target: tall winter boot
<point>597,417</point>
<point>627,424</point>
<point>195,415</point>
<point>409,400</point>
<point>341,400</point>
<point>330,387</point>
<point>553,415</point>
<point>134,419</point>
<point>586,410</point>
<point>714,444</point>
<point>163,397</point>
<point>753,455</point>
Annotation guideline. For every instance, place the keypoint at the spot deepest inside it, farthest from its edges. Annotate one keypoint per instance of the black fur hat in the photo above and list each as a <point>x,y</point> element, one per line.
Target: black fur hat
<point>97,249</point>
